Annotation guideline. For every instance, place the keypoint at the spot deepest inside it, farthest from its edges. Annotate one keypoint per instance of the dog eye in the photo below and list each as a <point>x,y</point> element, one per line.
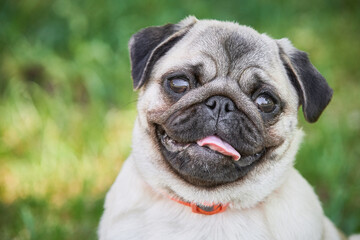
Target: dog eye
<point>265,103</point>
<point>179,85</point>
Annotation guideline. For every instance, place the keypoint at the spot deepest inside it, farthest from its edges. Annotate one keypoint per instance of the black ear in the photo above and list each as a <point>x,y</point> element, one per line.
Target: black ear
<point>148,45</point>
<point>313,91</point>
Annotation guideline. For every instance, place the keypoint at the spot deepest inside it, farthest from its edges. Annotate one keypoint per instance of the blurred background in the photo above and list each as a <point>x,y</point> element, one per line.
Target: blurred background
<point>67,106</point>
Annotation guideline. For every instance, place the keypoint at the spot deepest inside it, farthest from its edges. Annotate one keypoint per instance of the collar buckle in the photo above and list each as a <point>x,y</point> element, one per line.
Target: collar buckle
<point>208,210</point>
<point>203,208</point>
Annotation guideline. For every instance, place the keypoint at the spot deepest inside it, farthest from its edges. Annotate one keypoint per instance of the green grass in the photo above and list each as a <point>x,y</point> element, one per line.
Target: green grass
<point>67,106</point>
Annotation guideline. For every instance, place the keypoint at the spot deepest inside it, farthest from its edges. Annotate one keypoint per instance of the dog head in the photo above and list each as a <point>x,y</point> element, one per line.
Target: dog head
<point>218,107</point>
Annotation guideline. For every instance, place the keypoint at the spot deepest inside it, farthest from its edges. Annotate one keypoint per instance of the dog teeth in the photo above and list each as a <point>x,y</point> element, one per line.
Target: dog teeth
<point>171,144</point>
<point>166,137</point>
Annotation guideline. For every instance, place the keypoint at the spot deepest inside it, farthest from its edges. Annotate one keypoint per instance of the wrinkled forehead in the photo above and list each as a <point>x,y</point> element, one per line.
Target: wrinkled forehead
<point>222,49</point>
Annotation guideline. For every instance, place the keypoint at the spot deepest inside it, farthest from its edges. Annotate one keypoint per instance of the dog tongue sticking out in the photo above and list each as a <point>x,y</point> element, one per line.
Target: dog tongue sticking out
<point>220,146</point>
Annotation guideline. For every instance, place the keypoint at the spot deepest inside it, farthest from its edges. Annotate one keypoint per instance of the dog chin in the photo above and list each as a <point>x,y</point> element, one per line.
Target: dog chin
<point>200,165</point>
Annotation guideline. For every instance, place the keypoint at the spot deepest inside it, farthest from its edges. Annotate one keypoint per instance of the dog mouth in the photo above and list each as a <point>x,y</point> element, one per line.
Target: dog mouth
<point>209,161</point>
<point>212,144</point>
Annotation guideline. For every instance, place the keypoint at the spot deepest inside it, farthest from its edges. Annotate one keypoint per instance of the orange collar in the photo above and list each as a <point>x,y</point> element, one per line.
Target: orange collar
<point>203,209</point>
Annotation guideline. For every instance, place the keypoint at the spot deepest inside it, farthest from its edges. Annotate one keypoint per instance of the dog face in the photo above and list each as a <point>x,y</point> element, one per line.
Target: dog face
<point>218,109</point>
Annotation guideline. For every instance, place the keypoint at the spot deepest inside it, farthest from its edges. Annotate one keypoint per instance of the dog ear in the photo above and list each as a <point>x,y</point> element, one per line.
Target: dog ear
<point>149,44</point>
<point>313,91</point>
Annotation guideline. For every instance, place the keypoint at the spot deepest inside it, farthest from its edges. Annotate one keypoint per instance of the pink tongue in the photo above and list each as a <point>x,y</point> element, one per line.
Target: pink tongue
<point>219,145</point>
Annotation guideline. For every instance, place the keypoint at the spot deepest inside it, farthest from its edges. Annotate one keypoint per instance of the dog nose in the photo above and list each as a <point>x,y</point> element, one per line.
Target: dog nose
<point>220,104</point>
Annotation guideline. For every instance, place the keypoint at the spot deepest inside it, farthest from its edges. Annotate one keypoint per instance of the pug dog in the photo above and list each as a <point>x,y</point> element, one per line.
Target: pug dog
<point>215,139</point>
